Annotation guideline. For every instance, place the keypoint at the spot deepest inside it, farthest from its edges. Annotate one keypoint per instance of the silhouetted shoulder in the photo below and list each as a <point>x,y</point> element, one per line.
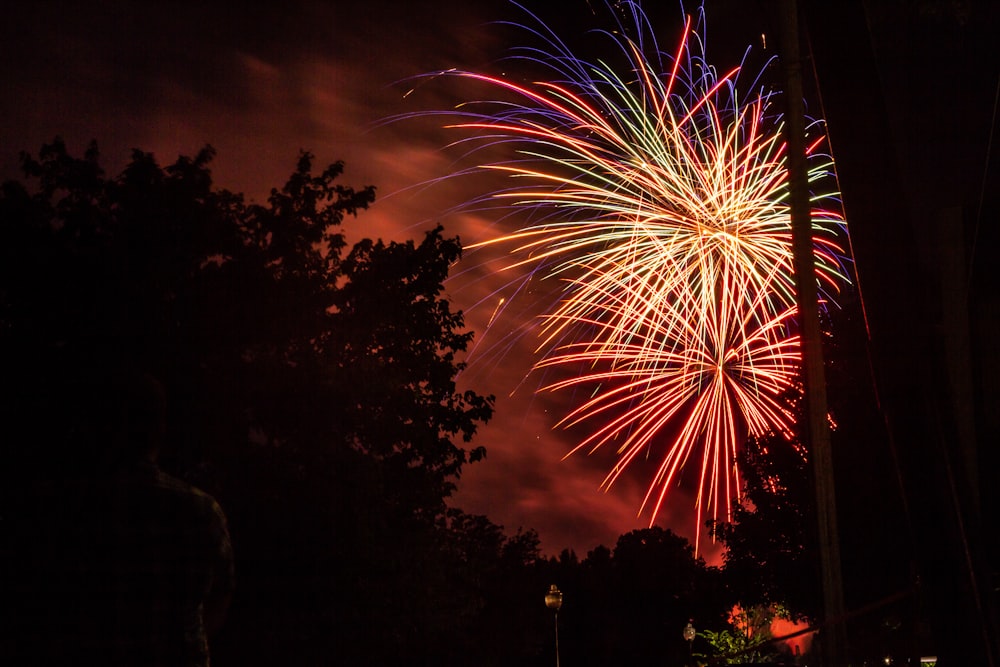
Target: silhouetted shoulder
<point>130,564</point>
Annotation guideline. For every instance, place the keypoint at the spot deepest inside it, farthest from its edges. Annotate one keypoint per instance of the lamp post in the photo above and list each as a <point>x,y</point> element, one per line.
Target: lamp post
<point>553,600</point>
<point>689,633</point>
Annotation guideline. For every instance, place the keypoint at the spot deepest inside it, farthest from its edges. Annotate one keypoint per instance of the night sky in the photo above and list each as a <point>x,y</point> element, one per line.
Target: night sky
<point>263,82</point>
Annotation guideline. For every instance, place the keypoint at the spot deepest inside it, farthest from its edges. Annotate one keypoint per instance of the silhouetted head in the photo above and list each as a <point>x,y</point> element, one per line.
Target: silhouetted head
<point>137,409</point>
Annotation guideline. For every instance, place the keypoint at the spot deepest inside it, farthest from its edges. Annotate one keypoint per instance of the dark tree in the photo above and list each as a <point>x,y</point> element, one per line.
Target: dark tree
<point>770,557</point>
<point>658,571</point>
<point>503,621</point>
<point>771,549</point>
<point>623,606</point>
<point>310,386</point>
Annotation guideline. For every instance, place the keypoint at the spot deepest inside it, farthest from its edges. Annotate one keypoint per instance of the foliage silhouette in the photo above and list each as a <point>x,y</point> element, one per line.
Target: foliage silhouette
<point>771,557</point>
<point>311,389</point>
<point>311,386</point>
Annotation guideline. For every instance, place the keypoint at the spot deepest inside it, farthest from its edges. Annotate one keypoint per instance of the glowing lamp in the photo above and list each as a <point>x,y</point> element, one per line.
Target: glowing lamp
<point>553,599</point>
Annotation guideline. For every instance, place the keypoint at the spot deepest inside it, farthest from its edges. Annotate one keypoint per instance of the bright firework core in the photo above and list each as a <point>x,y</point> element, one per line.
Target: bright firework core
<point>657,197</point>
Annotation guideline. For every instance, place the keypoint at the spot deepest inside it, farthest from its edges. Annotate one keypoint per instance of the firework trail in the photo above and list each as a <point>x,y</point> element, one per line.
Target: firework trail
<point>657,196</point>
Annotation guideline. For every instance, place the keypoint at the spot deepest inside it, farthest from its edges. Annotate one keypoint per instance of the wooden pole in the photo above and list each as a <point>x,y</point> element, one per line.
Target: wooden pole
<point>833,635</point>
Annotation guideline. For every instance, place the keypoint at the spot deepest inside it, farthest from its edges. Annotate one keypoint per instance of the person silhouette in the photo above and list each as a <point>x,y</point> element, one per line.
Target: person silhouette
<point>133,566</point>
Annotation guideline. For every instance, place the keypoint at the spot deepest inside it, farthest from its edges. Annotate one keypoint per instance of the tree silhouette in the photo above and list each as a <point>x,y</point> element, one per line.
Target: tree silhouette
<point>310,386</point>
<point>311,389</point>
<point>771,550</point>
<point>770,557</point>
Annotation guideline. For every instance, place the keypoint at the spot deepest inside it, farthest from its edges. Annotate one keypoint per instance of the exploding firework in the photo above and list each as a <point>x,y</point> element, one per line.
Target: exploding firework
<point>657,196</point>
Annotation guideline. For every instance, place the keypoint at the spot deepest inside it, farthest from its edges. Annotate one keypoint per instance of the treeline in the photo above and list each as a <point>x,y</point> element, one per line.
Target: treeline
<point>311,389</point>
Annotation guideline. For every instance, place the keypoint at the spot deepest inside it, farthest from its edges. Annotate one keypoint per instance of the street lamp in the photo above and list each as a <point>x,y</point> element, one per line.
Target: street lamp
<point>689,634</point>
<point>553,600</point>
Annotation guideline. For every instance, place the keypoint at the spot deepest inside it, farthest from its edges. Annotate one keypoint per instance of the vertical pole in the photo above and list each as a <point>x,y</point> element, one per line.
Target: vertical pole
<point>553,600</point>
<point>557,637</point>
<point>832,636</point>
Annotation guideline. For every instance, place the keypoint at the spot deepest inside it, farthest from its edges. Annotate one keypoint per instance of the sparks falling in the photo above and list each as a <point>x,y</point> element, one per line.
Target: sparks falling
<point>657,196</point>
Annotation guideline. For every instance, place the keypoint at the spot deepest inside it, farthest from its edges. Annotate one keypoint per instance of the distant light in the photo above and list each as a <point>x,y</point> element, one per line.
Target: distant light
<point>553,599</point>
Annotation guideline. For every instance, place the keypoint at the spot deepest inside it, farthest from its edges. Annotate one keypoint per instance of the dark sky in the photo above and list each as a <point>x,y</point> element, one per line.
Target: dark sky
<point>261,82</point>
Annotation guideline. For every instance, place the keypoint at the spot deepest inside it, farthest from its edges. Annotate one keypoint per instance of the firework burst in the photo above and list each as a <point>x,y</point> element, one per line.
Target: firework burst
<point>657,196</point>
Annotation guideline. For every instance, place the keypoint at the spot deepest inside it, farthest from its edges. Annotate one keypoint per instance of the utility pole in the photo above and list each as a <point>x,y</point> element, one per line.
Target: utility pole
<point>832,636</point>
